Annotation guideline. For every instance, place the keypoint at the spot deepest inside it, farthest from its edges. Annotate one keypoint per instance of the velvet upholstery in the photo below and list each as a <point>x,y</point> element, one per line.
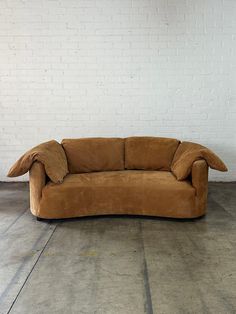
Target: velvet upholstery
<point>94,154</point>
<point>187,153</point>
<point>149,153</point>
<point>50,154</point>
<point>106,187</point>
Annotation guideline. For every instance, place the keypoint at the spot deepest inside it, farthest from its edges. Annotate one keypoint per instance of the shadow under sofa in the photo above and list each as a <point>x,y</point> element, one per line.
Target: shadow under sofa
<point>103,176</point>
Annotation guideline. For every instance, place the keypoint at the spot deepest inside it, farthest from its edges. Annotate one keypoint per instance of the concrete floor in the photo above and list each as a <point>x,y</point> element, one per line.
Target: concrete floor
<point>117,265</point>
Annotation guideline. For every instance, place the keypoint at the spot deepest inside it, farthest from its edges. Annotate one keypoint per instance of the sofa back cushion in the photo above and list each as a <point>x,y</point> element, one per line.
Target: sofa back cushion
<point>150,153</point>
<point>94,154</point>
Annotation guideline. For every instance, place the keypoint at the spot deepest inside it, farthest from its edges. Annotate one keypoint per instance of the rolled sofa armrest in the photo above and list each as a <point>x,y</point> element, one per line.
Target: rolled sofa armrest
<point>51,154</point>
<point>37,181</point>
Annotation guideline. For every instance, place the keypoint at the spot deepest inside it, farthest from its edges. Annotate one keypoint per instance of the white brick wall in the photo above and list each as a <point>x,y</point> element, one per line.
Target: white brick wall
<point>75,68</point>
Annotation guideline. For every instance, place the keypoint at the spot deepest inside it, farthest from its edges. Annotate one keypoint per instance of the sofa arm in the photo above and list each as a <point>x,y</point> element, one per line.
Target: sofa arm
<point>187,153</point>
<point>199,176</point>
<point>37,180</point>
<point>51,154</point>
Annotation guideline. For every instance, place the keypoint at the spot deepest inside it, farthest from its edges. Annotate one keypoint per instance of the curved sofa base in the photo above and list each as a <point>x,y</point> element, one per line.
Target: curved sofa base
<point>179,216</point>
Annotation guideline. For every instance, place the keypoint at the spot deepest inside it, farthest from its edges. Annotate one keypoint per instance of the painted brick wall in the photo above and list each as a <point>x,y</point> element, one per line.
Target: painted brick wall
<point>78,68</point>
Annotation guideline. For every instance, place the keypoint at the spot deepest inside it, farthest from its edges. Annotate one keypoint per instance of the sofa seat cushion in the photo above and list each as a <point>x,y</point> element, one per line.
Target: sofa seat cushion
<point>94,154</point>
<point>150,153</point>
<point>155,193</point>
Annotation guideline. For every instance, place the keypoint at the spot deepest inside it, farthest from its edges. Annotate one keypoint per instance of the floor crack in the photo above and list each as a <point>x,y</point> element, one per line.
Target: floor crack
<point>26,279</point>
<point>148,303</point>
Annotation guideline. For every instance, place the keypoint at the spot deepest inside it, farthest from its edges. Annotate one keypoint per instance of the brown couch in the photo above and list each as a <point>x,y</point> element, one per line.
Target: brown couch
<point>135,176</point>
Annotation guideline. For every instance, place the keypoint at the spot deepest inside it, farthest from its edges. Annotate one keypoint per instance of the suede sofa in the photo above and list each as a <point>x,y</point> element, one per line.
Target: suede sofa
<point>134,176</point>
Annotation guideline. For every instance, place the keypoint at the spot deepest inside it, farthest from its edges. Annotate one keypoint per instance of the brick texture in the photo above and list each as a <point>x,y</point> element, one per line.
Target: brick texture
<point>80,68</point>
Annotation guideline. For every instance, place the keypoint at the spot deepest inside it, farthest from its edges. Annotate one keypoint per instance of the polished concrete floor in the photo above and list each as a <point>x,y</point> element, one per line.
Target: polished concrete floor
<point>117,265</point>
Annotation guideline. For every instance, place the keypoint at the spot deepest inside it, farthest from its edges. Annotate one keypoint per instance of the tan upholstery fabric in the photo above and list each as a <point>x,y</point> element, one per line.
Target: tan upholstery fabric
<point>50,154</point>
<point>37,177</point>
<point>149,153</point>
<point>101,191</point>
<point>187,153</point>
<point>155,193</point>
<point>199,176</point>
<point>94,154</point>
